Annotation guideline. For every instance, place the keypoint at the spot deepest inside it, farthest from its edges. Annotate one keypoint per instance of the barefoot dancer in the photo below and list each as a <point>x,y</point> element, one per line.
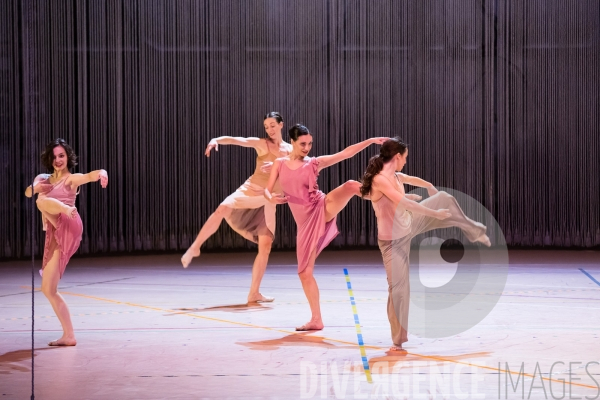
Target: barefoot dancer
<point>397,226</point>
<point>246,210</point>
<point>56,201</point>
<point>314,212</point>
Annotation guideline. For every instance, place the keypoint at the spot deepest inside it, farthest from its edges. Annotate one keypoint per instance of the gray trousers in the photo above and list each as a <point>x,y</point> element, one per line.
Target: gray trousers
<point>396,254</point>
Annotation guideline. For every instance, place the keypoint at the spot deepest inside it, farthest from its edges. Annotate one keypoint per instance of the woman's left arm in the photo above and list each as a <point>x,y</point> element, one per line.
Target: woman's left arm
<point>94,176</point>
<point>415,181</point>
<point>350,151</point>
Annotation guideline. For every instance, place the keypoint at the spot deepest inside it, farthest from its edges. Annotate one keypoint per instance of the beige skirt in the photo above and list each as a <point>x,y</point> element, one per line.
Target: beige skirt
<point>252,214</point>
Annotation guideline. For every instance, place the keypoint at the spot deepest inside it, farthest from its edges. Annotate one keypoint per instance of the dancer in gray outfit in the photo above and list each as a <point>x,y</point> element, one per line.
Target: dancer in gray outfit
<point>400,218</point>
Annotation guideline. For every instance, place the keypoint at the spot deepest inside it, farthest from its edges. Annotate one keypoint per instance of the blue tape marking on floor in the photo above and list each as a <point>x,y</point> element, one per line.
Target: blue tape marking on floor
<point>589,276</point>
<point>361,343</point>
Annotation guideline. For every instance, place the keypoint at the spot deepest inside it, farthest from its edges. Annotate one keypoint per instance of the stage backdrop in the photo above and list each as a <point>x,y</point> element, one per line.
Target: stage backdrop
<point>497,99</point>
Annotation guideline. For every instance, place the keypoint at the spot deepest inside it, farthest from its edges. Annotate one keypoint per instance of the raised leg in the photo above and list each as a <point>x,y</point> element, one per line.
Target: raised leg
<point>52,208</point>
<point>311,290</point>
<point>337,199</point>
<point>50,281</point>
<point>258,270</point>
<point>208,229</point>
<point>474,231</point>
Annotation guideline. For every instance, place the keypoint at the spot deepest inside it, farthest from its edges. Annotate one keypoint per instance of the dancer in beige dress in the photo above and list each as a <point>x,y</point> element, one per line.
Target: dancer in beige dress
<point>246,210</point>
<point>400,219</point>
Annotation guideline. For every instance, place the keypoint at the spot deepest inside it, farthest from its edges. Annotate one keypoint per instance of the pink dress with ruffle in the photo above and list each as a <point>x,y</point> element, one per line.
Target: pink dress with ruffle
<point>307,203</point>
<point>66,236</point>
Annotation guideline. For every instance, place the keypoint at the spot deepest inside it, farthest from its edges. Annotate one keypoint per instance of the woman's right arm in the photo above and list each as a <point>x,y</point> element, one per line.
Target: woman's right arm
<point>277,198</point>
<point>253,142</point>
<point>385,187</point>
<point>38,187</point>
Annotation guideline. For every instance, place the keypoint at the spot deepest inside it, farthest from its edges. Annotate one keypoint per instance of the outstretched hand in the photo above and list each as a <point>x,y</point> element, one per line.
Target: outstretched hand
<point>380,140</point>
<point>278,198</point>
<point>103,178</point>
<point>266,167</point>
<point>443,214</point>
<point>211,145</point>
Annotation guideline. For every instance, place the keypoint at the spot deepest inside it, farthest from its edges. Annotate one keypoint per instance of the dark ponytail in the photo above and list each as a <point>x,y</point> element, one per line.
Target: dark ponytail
<point>388,150</point>
<point>375,166</point>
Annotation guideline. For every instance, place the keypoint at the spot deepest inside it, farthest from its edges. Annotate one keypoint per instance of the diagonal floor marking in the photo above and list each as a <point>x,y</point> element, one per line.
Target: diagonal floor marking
<point>319,337</point>
<point>359,336</point>
<point>590,276</point>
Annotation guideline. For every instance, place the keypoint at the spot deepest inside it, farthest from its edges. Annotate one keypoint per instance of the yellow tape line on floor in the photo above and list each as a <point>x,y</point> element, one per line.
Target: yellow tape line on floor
<point>320,337</point>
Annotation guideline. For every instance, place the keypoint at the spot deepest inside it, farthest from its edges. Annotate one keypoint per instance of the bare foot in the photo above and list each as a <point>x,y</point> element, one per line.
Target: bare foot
<point>63,341</point>
<point>259,298</point>
<point>189,254</point>
<point>70,212</point>
<point>397,349</point>
<point>485,240</point>
<point>311,326</point>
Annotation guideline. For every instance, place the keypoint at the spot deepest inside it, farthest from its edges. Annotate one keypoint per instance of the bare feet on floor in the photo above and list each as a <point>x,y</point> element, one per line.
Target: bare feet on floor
<point>259,298</point>
<point>63,341</point>
<point>189,254</point>
<point>397,349</point>
<point>312,325</point>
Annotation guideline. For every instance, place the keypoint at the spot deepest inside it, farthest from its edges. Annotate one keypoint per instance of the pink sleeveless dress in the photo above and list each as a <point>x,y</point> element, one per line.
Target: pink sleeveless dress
<point>66,236</point>
<point>307,204</point>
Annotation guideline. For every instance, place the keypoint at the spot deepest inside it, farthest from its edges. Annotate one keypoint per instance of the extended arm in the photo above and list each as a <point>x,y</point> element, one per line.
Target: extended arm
<point>253,142</point>
<point>94,176</point>
<point>384,186</point>
<point>415,181</point>
<point>350,151</point>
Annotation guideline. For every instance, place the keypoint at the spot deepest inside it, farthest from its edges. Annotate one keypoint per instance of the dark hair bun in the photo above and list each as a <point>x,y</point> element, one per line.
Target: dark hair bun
<point>298,130</point>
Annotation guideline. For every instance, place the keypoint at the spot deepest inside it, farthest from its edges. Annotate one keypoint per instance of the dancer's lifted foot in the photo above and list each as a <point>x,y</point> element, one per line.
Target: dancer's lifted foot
<point>70,212</point>
<point>484,239</point>
<point>259,298</point>
<point>63,341</point>
<point>312,325</point>
<point>189,254</point>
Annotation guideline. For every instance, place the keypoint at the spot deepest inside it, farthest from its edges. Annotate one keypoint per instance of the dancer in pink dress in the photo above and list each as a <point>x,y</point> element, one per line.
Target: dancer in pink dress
<point>246,210</point>
<point>56,201</point>
<point>314,212</point>
<point>400,218</point>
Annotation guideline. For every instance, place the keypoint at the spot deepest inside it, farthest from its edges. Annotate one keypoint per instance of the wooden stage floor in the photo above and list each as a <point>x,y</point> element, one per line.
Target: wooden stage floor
<point>149,329</point>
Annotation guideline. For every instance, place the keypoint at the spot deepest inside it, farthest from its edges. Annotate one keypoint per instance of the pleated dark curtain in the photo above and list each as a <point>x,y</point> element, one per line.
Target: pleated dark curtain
<point>497,99</point>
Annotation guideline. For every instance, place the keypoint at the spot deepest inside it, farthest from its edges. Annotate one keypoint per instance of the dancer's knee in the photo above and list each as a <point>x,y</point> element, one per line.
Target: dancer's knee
<point>41,202</point>
<point>352,186</point>
<point>306,274</point>
<point>48,289</point>
<point>222,211</point>
<point>264,245</point>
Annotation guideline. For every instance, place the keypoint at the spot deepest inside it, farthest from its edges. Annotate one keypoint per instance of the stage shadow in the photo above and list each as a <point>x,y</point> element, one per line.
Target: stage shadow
<point>385,364</point>
<point>295,339</point>
<point>7,359</point>
<point>233,308</point>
